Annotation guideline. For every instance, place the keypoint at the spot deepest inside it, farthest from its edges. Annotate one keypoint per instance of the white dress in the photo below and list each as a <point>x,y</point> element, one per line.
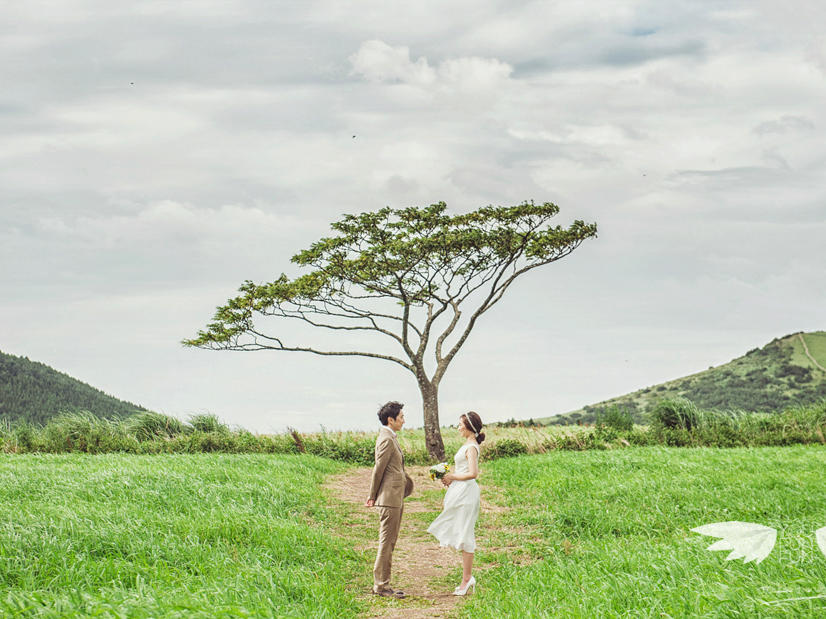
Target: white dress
<point>454,526</point>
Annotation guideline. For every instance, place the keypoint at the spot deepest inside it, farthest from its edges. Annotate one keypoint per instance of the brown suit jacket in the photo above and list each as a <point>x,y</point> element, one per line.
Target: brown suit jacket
<point>389,484</point>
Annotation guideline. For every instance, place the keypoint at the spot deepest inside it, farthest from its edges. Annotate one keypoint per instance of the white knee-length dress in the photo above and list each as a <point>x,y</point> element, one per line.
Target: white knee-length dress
<point>454,526</point>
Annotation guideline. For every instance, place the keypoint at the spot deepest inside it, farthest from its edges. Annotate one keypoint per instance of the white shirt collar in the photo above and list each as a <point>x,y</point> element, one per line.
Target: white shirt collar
<point>389,429</point>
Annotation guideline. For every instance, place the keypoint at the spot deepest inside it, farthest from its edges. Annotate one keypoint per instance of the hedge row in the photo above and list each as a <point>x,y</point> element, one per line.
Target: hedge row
<point>672,423</point>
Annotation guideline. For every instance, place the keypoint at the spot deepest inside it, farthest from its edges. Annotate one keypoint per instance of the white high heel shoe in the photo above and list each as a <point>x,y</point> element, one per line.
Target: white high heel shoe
<point>463,590</point>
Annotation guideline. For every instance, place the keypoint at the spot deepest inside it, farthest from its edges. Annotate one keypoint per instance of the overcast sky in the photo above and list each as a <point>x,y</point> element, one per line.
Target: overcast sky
<point>155,155</point>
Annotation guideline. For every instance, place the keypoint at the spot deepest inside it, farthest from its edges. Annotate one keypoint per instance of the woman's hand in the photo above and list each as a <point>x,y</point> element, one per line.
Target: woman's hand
<point>447,479</point>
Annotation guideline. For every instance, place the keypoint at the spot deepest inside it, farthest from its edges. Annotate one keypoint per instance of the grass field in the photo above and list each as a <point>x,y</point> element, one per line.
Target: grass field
<point>816,343</point>
<point>675,422</point>
<point>82,432</point>
<point>413,443</point>
<point>609,533</point>
<point>169,536</point>
<point>577,534</point>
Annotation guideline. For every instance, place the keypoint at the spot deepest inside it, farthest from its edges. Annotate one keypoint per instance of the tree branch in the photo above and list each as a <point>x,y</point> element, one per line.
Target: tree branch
<point>456,315</point>
<point>279,345</point>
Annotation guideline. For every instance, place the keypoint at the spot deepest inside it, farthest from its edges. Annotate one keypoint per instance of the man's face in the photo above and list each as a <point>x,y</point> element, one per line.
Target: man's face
<point>397,423</point>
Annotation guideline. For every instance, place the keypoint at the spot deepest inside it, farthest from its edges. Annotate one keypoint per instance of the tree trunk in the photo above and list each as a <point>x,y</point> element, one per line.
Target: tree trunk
<point>430,409</point>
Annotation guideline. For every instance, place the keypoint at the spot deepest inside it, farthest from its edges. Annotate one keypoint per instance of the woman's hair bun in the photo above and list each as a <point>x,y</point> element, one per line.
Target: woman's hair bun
<point>475,425</point>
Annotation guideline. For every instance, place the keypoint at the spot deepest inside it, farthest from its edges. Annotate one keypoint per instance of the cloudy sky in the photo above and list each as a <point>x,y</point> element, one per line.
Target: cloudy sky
<point>155,155</point>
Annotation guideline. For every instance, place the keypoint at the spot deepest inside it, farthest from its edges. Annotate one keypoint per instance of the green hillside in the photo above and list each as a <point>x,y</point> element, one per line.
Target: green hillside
<point>34,392</point>
<point>787,371</point>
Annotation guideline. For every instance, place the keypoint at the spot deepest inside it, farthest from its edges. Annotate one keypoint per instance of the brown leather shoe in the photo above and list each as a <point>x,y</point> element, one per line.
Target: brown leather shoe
<point>389,593</point>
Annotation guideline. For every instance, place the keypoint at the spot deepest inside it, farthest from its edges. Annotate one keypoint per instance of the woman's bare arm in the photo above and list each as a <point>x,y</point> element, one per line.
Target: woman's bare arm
<point>472,454</point>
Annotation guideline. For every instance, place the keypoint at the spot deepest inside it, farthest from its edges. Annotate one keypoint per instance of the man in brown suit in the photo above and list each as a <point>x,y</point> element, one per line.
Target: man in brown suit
<point>388,488</point>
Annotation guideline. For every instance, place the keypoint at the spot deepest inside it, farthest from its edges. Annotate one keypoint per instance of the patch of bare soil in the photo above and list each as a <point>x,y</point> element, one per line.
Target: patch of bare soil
<point>419,563</point>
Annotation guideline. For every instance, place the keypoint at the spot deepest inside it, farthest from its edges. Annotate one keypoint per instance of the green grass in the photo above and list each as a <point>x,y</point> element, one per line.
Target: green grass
<point>816,343</point>
<point>798,353</point>
<point>201,535</point>
<point>609,534</point>
<point>587,534</point>
<point>152,433</point>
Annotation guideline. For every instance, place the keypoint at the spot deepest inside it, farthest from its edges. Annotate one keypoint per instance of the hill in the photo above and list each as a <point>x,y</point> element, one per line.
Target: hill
<point>787,371</point>
<point>34,392</point>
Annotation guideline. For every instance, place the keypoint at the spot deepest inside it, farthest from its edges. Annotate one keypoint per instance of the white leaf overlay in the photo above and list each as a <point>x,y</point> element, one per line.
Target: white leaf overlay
<point>746,540</point>
<point>820,536</point>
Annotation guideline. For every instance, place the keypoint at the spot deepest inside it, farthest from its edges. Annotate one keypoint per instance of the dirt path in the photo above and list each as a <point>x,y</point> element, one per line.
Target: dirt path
<point>808,354</point>
<point>420,567</point>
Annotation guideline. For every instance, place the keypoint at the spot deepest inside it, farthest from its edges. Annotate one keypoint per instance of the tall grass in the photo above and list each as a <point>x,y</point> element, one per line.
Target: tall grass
<point>608,534</point>
<point>171,536</point>
<point>694,428</point>
<point>150,426</point>
<point>85,432</point>
<point>207,423</point>
<point>673,423</point>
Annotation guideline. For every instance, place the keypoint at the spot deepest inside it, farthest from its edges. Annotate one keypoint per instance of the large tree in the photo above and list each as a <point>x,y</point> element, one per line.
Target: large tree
<point>418,277</point>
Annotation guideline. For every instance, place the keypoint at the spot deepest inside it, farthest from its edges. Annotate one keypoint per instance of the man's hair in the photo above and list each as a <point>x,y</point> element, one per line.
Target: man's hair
<point>391,409</point>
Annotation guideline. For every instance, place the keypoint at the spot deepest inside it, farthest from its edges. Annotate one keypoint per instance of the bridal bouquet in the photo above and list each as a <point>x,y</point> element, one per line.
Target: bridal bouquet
<point>437,471</point>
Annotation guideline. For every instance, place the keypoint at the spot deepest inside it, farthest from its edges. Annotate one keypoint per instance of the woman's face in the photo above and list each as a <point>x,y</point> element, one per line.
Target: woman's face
<point>462,427</point>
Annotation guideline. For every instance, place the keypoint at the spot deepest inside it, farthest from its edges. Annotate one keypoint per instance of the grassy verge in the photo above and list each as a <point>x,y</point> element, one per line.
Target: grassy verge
<point>609,534</point>
<point>591,534</point>
<point>675,422</point>
<point>174,536</point>
<point>151,433</point>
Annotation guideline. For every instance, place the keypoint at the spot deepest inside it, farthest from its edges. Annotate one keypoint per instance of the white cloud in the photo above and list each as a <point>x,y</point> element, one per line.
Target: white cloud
<point>474,74</point>
<point>168,221</point>
<point>140,149</point>
<point>377,61</point>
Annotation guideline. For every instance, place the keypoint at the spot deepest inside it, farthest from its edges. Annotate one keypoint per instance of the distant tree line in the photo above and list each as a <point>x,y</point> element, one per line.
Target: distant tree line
<point>34,392</point>
<point>521,423</point>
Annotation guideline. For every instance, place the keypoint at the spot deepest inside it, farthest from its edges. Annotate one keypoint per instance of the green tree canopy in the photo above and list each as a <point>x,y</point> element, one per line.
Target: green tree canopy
<point>420,277</point>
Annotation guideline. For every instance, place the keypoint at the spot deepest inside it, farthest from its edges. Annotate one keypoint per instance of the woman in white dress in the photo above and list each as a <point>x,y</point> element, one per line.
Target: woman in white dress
<point>454,526</point>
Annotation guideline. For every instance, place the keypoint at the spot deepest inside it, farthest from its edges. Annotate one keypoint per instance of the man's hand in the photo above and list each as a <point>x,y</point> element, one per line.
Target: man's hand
<point>370,503</point>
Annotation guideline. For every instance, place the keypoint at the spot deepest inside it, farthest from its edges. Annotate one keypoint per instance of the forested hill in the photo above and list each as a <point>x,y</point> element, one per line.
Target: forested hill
<point>787,371</point>
<point>34,392</point>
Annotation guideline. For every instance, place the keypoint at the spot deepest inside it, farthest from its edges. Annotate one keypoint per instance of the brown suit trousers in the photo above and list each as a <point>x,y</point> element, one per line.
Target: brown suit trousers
<point>390,519</point>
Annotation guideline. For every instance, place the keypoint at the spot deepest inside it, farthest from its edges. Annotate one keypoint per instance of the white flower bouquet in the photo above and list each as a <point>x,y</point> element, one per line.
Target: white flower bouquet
<point>437,471</point>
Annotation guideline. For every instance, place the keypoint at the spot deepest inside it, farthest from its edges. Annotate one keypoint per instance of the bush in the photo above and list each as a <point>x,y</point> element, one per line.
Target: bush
<point>505,448</point>
<point>8,437</point>
<point>19,437</point>
<point>641,438</point>
<point>249,443</point>
<point>346,447</point>
<point>723,435</point>
<point>812,416</point>
<point>207,423</point>
<point>277,444</point>
<point>205,442</point>
<point>85,432</point>
<point>674,413</point>
<point>616,418</point>
<point>673,423</point>
<point>675,437</point>
<point>150,426</point>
